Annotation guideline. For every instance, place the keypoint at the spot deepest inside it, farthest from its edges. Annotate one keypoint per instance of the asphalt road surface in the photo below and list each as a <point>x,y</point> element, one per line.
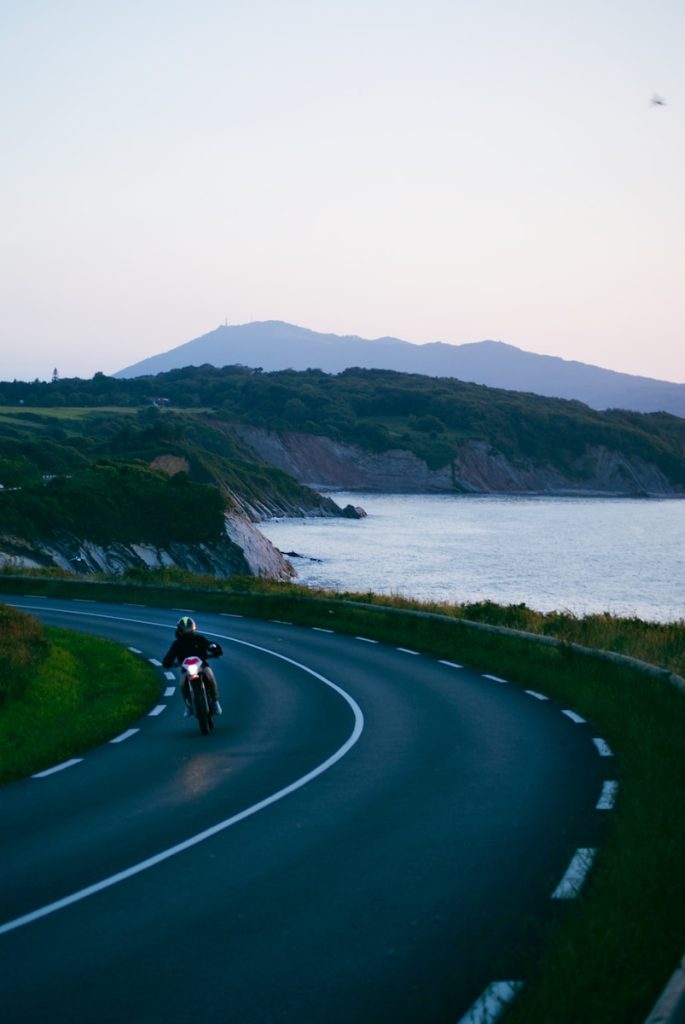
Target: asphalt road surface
<point>369,835</point>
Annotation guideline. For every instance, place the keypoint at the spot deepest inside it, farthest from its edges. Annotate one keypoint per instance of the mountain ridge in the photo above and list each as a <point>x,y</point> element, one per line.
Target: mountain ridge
<point>277,345</point>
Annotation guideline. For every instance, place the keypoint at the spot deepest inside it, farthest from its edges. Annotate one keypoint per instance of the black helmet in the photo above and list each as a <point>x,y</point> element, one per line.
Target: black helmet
<point>185,625</point>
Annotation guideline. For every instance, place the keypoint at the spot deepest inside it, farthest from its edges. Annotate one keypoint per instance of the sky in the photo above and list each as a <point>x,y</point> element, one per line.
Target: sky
<point>433,170</point>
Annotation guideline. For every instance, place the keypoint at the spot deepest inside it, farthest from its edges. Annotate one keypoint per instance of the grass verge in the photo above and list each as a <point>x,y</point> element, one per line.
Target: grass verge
<point>82,692</point>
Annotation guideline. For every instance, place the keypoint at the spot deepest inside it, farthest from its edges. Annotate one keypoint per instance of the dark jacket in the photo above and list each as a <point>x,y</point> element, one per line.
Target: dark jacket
<point>188,645</point>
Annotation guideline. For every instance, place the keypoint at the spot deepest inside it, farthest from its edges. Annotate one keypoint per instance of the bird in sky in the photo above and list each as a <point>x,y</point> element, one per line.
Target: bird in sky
<point>658,101</point>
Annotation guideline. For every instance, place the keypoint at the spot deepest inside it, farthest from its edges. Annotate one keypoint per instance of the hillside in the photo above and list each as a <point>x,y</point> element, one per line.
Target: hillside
<point>109,490</point>
<point>384,430</point>
<point>274,345</point>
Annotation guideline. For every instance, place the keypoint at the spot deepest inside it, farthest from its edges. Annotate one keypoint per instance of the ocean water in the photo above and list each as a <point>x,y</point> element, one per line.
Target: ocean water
<point>624,556</point>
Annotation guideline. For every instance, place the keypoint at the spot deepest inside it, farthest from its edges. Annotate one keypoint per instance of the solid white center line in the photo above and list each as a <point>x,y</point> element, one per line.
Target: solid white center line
<point>608,795</point>
<point>208,833</point>
<point>576,873</point>
<point>603,747</point>
<point>492,1003</point>
<point>574,717</point>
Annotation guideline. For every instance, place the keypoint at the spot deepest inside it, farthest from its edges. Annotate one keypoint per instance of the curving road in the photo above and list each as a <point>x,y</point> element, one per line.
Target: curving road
<point>368,835</point>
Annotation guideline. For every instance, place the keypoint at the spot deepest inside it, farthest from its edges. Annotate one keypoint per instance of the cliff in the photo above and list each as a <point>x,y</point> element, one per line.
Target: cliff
<point>477,468</point>
<point>243,551</point>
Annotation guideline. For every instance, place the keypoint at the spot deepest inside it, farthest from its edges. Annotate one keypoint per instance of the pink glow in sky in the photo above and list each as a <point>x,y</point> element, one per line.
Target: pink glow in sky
<point>447,170</point>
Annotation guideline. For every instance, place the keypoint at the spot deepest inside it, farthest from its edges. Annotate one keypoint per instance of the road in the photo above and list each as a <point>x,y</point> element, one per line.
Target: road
<point>368,835</point>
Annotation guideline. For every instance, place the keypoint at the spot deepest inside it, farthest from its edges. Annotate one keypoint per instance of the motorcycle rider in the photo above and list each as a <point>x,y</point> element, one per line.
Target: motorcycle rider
<point>189,643</point>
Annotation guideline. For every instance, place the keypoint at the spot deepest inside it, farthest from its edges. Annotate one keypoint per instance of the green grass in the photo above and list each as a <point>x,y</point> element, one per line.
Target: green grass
<point>81,692</point>
<point>608,956</point>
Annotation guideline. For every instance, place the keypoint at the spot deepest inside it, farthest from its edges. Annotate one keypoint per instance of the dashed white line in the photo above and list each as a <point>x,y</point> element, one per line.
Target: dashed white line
<point>492,1003</point>
<point>57,768</point>
<point>603,748</point>
<point>170,691</point>
<point>494,679</point>
<point>576,873</point>
<point>125,736</point>
<point>405,650</point>
<point>134,650</point>
<point>157,711</point>
<point>450,664</point>
<point>169,675</point>
<point>608,795</point>
<point>574,717</point>
<point>280,622</point>
<point>320,629</point>
<point>231,615</point>
<point>366,640</point>
<point>538,696</point>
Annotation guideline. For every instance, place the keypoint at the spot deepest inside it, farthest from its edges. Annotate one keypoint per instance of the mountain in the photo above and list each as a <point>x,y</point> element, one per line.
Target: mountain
<point>274,345</point>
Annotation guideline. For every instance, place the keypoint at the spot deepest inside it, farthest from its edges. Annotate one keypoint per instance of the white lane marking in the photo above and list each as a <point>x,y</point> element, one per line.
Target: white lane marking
<point>169,675</point>
<point>405,650</point>
<point>366,640</point>
<point>603,748</point>
<point>125,736</point>
<point>538,696</point>
<point>576,873</point>
<point>156,711</point>
<point>153,661</point>
<point>450,664</point>
<point>57,768</point>
<point>608,795</point>
<point>495,679</point>
<point>320,629</point>
<point>231,615</point>
<point>492,1003</point>
<point>574,717</point>
<point>37,597</point>
<point>134,650</point>
<point>221,826</point>
<point>280,622</point>
<point>170,691</point>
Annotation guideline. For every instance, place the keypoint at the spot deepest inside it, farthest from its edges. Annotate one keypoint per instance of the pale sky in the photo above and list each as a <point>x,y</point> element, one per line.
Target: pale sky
<point>436,170</point>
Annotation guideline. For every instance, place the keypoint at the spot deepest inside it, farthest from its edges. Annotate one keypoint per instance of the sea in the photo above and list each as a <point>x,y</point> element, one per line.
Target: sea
<point>582,555</point>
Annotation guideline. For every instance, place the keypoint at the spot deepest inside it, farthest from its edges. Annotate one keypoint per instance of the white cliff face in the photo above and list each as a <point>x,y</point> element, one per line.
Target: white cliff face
<point>243,552</point>
<point>477,468</point>
<point>261,557</point>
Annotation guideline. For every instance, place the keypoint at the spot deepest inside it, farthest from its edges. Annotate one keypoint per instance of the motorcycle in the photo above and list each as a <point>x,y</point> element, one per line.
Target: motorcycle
<point>192,674</point>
